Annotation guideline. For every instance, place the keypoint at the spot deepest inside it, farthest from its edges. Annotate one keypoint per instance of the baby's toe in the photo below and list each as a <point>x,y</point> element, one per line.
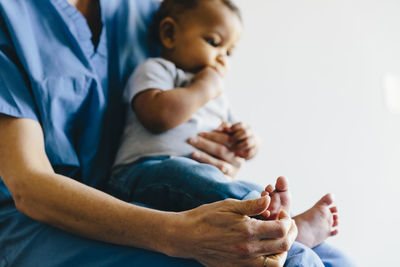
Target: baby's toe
<point>334,232</point>
<point>326,200</point>
<point>335,220</point>
<point>269,188</point>
<point>333,209</point>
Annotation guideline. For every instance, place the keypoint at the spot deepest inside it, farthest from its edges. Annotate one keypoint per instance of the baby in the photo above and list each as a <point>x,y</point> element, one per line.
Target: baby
<point>181,94</point>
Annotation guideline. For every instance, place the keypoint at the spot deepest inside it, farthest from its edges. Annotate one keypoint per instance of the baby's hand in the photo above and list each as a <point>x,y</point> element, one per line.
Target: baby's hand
<point>244,141</point>
<point>211,80</point>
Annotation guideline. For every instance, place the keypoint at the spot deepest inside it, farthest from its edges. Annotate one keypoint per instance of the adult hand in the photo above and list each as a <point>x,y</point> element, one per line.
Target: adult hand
<point>224,234</point>
<point>277,260</point>
<point>214,148</point>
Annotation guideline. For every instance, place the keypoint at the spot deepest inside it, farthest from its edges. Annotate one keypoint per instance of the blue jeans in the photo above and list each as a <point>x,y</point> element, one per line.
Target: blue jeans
<point>176,184</point>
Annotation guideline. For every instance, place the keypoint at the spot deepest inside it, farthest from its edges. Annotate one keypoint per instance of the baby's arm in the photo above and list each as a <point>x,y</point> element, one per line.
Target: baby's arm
<point>160,110</point>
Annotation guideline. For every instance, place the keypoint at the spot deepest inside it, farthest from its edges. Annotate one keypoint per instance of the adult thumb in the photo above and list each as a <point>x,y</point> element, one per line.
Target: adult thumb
<point>252,207</point>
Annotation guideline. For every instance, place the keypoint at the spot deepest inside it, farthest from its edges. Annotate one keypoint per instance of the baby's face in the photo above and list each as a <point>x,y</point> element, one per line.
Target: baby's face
<point>205,36</point>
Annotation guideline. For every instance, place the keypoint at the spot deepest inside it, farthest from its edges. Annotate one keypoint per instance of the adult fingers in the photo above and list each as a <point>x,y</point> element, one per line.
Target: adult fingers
<point>250,207</point>
<point>277,260</point>
<point>217,150</point>
<point>217,137</point>
<point>263,229</point>
<point>277,245</point>
<point>210,146</point>
<point>223,166</point>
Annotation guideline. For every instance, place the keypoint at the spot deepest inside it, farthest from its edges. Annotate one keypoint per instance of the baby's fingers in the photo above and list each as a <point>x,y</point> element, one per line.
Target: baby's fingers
<point>242,134</point>
<point>221,69</point>
<point>239,125</point>
<point>224,127</point>
<point>247,143</point>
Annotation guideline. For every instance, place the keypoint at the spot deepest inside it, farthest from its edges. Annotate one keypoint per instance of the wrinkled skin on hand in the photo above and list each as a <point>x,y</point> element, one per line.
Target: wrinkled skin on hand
<point>245,240</point>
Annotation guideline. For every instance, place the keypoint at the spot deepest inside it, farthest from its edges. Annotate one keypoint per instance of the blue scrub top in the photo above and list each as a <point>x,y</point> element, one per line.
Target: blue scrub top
<point>50,72</point>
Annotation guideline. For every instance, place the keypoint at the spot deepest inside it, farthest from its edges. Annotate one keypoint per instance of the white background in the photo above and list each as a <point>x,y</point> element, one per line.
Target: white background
<point>309,76</point>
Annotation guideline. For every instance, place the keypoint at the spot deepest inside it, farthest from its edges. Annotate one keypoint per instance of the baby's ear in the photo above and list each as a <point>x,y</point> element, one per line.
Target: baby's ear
<point>167,32</point>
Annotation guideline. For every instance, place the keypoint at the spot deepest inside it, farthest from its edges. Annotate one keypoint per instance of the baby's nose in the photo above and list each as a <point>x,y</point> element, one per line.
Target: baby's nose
<point>222,59</point>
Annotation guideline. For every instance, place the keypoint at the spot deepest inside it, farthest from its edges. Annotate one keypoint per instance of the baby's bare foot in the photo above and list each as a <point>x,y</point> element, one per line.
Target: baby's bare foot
<point>318,223</point>
<point>280,198</point>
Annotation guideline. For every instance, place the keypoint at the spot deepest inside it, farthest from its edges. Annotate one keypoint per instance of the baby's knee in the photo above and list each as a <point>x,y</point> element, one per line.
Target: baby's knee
<point>192,168</point>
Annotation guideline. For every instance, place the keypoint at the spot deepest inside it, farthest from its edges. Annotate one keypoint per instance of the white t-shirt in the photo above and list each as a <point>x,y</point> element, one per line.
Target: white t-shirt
<point>138,142</point>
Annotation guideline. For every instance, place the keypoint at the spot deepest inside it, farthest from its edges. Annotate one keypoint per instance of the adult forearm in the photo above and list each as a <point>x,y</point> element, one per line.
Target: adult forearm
<point>67,204</point>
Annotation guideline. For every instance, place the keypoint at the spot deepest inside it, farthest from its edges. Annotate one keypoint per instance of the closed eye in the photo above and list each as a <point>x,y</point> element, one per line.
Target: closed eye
<point>211,42</point>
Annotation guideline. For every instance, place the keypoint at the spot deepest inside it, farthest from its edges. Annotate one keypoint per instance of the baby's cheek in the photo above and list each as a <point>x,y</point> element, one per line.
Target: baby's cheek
<point>207,58</point>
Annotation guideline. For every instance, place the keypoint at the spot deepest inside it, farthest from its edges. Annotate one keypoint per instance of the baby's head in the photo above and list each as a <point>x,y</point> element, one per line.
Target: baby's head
<point>198,33</point>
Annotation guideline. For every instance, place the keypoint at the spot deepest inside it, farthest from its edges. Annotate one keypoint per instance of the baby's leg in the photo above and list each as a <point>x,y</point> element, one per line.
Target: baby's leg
<point>181,183</point>
<point>318,223</point>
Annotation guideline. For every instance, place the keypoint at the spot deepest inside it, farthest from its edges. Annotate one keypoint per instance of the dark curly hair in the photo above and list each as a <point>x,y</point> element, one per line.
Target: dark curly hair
<point>174,7</point>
